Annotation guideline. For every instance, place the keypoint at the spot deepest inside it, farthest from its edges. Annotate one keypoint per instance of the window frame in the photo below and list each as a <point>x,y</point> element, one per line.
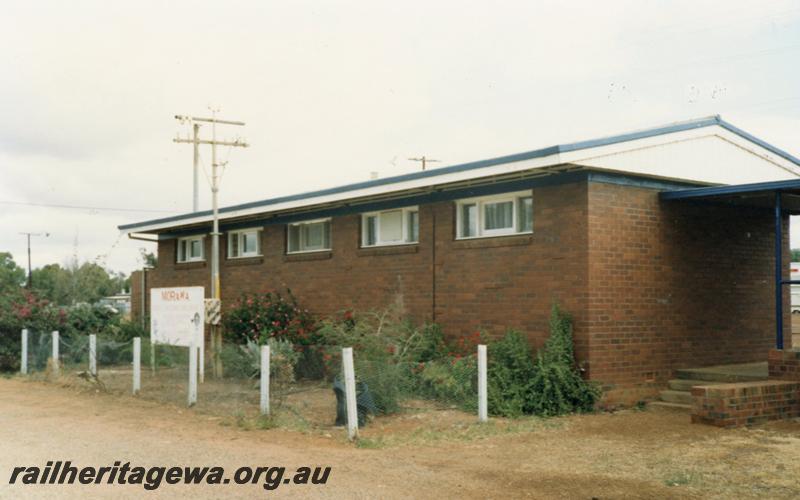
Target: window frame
<point>188,241</point>
<point>239,234</point>
<point>329,220</point>
<point>405,227</point>
<point>480,203</point>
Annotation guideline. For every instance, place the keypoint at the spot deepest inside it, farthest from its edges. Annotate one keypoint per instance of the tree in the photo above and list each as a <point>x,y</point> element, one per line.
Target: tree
<point>53,283</point>
<point>93,282</point>
<point>149,259</point>
<point>12,277</point>
<point>795,254</point>
<point>75,284</point>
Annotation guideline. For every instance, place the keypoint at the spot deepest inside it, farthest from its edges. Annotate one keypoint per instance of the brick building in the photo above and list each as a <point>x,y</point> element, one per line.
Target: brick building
<point>652,284</point>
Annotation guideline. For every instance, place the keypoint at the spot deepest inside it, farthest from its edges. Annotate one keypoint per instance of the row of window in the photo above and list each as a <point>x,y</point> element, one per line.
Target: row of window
<point>499,215</point>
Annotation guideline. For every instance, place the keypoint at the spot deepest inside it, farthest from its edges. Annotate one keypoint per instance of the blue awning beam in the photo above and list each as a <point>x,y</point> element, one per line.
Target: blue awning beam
<point>778,272</point>
<point>782,196</point>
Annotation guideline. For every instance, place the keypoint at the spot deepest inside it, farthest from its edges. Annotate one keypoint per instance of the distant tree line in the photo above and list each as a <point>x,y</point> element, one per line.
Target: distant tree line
<point>65,286</point>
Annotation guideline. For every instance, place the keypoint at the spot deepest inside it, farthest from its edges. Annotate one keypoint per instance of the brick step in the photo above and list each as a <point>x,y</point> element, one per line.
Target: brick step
<point>669,406</point>
<point>681,397</point>
<point>686,384</point>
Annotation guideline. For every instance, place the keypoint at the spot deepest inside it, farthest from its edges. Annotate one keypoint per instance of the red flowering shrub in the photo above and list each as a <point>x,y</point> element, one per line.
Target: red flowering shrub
<point>261,316</point>
<point>465,346</point>
<point>23,309</point>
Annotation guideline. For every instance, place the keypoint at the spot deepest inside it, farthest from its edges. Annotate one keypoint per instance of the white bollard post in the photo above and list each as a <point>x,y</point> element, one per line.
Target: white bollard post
<point>152,355</point>
<point>202,362</point>
<point>265,380</point>
<point>93,355</point>
<point>350,393</point>
<point>192,374</point>
<point>137,364</point>
<point>483,400</point>
<point>55,353</point>
<point>23,362</point>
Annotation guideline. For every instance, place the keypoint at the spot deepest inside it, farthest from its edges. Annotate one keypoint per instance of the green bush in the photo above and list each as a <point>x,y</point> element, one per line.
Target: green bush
<point>244,361</point>
<point>311,362</point>
<point>453,381</point>
<point>398,361</point>
<point>548,385</point>
<point>557,387</point>
<point>385,351</point>
<point>166,356</point>
<point>257,317</point>
<point>83,319</point>
<point>509,373</point>
<point>126,330</point>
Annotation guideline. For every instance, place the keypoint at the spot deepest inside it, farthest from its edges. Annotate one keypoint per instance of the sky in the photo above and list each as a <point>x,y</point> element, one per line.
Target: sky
<point>332,91</point>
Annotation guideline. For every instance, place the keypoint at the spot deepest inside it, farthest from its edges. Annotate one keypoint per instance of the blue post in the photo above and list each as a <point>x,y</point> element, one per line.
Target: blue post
<point>778,273</point>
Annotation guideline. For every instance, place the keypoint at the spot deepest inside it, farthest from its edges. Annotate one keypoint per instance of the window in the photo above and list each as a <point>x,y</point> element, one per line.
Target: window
<point>525,214</point>
<point>309,236</point>
<point>498,215</point>
<point>191,249</point>
<point>245,243</point>
<point>390,227</point>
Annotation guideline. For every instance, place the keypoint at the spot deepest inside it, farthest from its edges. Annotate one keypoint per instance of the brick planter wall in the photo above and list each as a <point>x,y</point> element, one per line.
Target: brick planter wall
<point>784,365</point>
<point>746,403</point>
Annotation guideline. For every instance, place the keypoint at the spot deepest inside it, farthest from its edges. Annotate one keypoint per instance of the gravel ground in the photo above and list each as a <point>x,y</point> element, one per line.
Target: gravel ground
<point>630,454</point>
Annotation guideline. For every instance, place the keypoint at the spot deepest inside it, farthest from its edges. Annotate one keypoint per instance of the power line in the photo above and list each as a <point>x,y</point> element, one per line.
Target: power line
<point>79,207</point>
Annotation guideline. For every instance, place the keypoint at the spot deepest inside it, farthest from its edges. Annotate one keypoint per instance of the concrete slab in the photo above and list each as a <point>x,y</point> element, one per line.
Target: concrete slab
<point>680,397</point>
<point>727,373</point>
<point>669,406</point>
<point>684,384</point>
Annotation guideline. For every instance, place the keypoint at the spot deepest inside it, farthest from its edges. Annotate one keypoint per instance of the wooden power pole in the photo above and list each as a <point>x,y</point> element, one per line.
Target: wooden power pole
<point>216,332</point>
<point>30,274</point>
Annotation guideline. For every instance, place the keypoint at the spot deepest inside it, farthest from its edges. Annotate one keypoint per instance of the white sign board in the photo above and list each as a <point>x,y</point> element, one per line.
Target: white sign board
<point>177,315</point>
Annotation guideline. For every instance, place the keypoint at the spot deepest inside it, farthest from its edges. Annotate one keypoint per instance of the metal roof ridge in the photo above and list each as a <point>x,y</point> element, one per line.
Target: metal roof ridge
<point>500,160</point>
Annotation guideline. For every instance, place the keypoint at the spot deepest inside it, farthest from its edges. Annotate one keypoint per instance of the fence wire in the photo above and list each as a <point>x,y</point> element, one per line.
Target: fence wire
<point>40,348</point>
<point>306,382</point>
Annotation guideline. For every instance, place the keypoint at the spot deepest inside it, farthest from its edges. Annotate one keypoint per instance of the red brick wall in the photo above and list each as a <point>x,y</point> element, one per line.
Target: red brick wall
<point>674,285</point>
<point>784,365</point>
<point>652,286</point>
<point>491,284</point>
<point>512,282</point>
<point>745,403</point>
<point>136,294</point>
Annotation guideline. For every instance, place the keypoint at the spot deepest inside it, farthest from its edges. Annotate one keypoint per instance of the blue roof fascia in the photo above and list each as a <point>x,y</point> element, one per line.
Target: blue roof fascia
<point>538,153</point>
<point>641,134</point>
<point>358,185</point>
<point>439,196</point>
<point>769,147</point>
<point>638,181</point>
<point>715,191</point>
<point>421,199</point>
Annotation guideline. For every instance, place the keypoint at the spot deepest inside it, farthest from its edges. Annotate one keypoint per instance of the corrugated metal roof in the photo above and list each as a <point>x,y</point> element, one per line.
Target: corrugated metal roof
<point>757,194</point>
<point>790,186</point>
<point>474,166</point>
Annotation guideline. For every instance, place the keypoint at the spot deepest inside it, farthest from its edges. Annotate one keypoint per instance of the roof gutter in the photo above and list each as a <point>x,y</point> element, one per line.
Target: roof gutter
<point>134,236</point>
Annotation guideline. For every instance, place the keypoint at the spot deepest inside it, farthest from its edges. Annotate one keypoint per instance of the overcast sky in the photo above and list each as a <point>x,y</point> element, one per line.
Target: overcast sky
<point>332,91</point>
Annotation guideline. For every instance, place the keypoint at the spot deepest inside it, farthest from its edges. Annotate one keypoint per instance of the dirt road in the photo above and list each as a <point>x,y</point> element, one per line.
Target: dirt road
<point>630,454</point>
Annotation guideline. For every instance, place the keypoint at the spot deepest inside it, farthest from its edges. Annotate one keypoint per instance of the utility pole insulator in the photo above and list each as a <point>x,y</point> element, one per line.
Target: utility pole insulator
<point>424,160</point>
